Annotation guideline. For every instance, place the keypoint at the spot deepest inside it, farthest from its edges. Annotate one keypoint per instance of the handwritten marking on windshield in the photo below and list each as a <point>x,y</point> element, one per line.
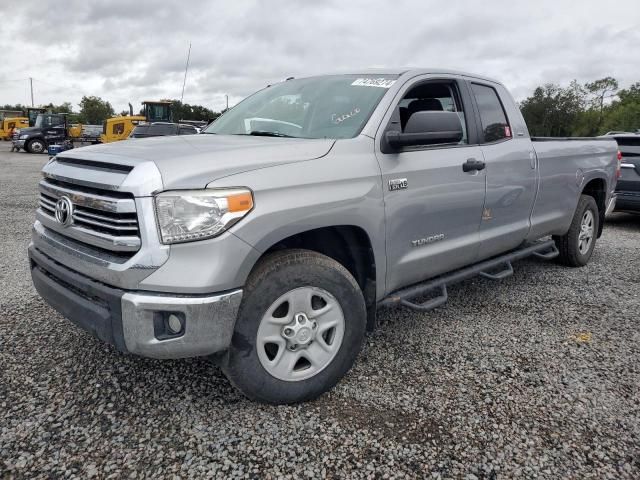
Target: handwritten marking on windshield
<point>339,119</point>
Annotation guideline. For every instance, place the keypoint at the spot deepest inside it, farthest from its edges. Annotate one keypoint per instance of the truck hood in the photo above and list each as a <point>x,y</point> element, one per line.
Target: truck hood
<point>193,161</point>
<point>30,130</point>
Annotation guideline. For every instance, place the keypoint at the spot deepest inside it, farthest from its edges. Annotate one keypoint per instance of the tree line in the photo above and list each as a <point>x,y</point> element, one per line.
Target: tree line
<point>94,110</point>
<point>582,110</point>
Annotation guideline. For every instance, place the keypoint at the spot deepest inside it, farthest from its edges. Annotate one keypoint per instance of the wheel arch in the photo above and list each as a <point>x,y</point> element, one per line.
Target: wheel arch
<point>349,245</point>
<point>597,188</point>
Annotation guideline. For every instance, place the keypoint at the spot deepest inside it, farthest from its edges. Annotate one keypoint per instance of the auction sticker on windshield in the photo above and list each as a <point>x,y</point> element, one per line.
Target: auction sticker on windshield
<point>373,82</point>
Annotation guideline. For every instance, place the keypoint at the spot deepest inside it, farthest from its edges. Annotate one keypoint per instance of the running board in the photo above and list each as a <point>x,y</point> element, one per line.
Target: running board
<point>494,269</point>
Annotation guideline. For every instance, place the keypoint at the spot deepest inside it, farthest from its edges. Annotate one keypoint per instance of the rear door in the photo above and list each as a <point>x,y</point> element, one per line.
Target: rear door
<point>510,170</point>
<point>432,207</point>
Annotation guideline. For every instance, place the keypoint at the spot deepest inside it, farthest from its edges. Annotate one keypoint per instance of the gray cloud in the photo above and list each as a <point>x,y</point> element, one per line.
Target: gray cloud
<point>130,51</point>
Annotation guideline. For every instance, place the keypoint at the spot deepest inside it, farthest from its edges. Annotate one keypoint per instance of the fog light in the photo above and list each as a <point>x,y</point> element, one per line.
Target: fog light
<point>167,325</point>
<point>175,325</point>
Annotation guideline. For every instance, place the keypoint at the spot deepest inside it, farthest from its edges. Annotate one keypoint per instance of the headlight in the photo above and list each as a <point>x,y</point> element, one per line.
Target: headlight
<point>24,137</point>
<point>189,215</point>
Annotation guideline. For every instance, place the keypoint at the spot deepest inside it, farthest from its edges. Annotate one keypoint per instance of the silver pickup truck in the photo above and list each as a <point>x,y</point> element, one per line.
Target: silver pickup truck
<point>268,241</point>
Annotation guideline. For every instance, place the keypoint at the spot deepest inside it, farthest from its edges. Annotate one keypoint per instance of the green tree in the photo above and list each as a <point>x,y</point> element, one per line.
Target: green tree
<point>94,110</point>
<point>16,107</point>
<point>601,90</point>
<point>624,113</point>
<point>184,111</point>
<point>553,110</point>
<point>64,107</point>
<point>582,110</point>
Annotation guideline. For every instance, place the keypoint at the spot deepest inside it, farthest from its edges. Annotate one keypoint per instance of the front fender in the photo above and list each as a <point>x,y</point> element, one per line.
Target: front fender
<point>343,188</point>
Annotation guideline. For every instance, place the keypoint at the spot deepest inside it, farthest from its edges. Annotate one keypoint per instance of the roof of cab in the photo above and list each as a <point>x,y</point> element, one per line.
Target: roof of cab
<point>409,72</point>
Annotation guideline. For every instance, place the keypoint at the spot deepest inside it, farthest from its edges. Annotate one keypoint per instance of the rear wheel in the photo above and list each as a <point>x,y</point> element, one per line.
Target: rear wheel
<point>576,246</point>
<point>299,330</point>
<point>36,146</point>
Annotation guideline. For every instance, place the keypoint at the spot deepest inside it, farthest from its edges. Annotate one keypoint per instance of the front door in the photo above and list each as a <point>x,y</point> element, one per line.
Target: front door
<point>433,208</point>
<point>54,129</point>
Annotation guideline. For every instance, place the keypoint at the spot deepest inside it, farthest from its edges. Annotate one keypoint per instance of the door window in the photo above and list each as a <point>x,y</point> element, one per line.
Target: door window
<point>433,96</point>
<point>118,128</point>
<point>492,116</point>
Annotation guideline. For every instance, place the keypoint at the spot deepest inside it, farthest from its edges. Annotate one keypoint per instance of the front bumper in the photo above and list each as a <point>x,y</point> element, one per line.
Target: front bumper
<point>20,143</point>
<point>137,322</point>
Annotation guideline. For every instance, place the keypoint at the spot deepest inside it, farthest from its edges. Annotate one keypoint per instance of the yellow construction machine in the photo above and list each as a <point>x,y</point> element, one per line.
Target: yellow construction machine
<point>8,123</point>
<point>119,128</point>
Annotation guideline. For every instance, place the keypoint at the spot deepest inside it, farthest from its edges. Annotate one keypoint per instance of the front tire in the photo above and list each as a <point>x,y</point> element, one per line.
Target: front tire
<point>576,246</point>
<point>300,328</point>
<point>36,146</point>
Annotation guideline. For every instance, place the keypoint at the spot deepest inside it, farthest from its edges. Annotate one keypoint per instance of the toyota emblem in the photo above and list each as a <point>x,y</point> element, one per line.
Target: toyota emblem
<point>64,211</point>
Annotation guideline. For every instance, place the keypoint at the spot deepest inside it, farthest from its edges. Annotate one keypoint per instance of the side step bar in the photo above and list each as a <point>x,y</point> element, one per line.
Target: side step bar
<point>494,269</point>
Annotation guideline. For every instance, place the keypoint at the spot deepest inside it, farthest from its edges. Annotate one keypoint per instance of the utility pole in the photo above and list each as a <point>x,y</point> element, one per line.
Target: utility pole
<point>227,97</point>
<point>31,84</point>
<point>185,72</point>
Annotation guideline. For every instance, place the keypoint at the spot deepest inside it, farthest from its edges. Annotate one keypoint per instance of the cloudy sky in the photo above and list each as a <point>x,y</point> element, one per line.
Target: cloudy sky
<point>129,51</point>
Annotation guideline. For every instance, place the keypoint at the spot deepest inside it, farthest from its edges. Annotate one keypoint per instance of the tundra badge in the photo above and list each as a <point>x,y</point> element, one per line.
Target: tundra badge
<point>424,241</point>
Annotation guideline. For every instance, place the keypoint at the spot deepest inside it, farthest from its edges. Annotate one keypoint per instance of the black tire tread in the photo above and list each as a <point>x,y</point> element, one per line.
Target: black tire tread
<point>268,265</point>
<point>27,147</point>
<point>276,260</point>
<point>569,254</point>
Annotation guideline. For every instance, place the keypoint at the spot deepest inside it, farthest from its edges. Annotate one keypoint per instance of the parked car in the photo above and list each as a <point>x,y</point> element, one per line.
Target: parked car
<point>269,241</point>
<point>628,189</point>
<point>161,129</point>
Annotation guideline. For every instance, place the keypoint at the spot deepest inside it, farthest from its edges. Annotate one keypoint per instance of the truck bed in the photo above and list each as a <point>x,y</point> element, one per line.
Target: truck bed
<point>566,166</point>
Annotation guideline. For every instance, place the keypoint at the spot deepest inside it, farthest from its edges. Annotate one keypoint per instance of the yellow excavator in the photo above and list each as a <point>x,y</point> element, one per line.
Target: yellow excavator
<point>119,128</point>
<point>9,123</point>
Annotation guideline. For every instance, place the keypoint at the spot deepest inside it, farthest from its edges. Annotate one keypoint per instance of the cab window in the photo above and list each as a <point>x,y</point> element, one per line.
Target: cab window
<point>433,96</point>
<point>494,122</point>
<point>118,128</point>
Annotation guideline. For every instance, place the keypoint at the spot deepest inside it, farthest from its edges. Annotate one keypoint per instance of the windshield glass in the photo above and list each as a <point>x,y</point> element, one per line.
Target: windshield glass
<point>335,106</point>
<point>46,121</point>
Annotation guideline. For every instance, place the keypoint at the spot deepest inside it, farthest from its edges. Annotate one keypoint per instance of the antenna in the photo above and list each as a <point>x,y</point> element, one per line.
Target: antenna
<point>185,72</point>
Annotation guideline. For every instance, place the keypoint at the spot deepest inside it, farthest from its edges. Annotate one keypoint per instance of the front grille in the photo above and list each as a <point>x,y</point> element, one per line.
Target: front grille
<point>101,218</point>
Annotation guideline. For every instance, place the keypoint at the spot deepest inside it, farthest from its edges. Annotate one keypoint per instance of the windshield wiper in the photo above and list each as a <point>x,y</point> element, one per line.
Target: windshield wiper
<point>265,133</point>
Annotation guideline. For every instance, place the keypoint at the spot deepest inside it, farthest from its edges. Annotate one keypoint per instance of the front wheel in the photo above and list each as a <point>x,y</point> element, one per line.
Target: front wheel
<point>36,146</point>
<point>299,329</point>
<point>576,246</point>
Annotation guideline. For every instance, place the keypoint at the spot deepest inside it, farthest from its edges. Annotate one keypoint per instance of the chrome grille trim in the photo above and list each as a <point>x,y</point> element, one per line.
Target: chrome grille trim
<point>100,219</point>
<point>107,225</point>
<point>89,200</point>
<point>91,237</point>
<point>115,221</point>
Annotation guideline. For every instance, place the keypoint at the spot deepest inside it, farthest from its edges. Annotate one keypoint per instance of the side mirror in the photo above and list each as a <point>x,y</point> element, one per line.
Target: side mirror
<point>427,128</point>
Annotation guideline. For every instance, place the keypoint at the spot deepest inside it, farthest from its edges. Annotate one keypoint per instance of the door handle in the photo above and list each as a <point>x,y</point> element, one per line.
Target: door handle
<point>472,164</point>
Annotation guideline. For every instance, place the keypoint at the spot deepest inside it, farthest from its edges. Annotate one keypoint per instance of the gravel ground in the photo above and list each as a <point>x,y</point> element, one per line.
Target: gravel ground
<point>534,377</point>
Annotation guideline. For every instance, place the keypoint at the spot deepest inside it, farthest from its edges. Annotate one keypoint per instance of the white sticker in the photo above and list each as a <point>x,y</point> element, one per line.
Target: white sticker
<point>373,82</point>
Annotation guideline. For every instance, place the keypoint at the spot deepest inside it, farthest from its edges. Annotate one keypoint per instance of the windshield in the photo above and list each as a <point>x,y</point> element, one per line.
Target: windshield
<point>47,120</point>
<point>334,106</point>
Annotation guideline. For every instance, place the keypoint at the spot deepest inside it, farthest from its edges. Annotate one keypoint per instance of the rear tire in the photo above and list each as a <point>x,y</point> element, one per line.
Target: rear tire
<point>576,246</point>
<point>36,146</point>
<point>318,347</point>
